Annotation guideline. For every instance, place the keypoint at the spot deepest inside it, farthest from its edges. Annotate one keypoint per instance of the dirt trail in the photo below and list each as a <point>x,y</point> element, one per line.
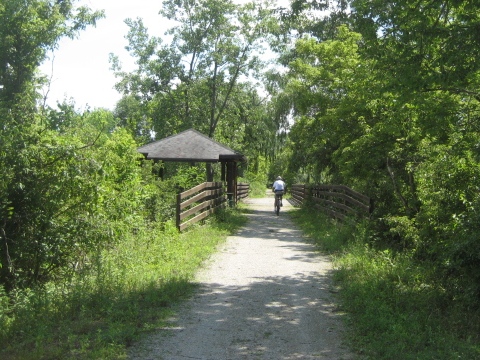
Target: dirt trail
<point>266,294</point>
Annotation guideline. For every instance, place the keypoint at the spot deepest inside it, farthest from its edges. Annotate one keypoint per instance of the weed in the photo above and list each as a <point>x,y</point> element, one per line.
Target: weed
<point>123,292</point>
<point>396,307</point>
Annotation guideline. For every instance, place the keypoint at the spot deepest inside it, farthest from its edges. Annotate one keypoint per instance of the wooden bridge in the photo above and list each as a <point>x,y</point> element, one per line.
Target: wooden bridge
<point>338,201</point>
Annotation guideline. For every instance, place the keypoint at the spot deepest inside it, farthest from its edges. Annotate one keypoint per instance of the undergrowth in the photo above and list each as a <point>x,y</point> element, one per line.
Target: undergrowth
<point>122,293</point>
<point>257,189</point>
<point>394,305</point>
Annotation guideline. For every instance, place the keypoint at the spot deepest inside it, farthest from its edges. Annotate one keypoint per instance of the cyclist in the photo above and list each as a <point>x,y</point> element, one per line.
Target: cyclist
<point>279,188</point>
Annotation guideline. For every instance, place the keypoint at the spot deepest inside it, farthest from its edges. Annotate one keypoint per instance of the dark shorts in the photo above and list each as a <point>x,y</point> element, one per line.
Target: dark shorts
<point>278,192</point>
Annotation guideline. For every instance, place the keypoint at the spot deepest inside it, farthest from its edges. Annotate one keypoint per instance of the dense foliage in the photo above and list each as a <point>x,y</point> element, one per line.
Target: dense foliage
<point>389,105</point>
<point>381,96</point>
<point>394,307</point>
<point>206,77</point>
<point>48,183</point>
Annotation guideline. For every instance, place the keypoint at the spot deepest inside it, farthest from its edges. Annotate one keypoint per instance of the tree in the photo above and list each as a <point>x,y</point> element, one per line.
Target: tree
<point>30,155</point>
<point>322,85</point>
<point>191,82</point>
<point>425,52</point>
<point>398,119</point>
<point>28,30</point>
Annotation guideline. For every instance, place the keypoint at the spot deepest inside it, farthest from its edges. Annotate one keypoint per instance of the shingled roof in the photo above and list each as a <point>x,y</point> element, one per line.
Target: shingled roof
<point>191,146</point>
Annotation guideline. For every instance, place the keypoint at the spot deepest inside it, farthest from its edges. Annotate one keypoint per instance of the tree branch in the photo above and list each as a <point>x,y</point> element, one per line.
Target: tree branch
<point>475,94</point>
<point>395,187</point>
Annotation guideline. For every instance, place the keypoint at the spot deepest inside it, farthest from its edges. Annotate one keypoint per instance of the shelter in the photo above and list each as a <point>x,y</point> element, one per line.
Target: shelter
<point>192,146</point>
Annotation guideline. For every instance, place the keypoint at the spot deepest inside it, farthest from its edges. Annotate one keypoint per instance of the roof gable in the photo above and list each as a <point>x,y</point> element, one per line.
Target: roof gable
<point>191,146</point>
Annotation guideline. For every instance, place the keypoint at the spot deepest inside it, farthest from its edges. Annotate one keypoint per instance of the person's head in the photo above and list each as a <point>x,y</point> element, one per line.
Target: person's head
<point>279,178</point>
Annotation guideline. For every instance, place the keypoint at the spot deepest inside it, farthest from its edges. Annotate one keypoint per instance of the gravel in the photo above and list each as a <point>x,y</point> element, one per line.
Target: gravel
<point>266,294</point>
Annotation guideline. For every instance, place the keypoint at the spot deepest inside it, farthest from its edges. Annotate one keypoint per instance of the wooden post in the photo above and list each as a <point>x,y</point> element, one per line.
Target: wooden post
<point>177,215</point>
<point>161,171</point>
<point>178,210</point>
<point>231,188</point>
<point>209,172</point>
<point>223,164</point>
<point>235,190</point>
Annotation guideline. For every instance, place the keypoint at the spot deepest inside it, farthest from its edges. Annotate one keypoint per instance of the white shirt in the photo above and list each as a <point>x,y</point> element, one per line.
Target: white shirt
<point>278,185</point>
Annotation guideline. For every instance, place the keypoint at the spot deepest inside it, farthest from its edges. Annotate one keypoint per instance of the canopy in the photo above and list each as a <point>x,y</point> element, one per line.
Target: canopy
<point>190,146</point>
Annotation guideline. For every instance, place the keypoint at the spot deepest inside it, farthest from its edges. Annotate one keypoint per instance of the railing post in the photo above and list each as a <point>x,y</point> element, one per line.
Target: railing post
<point>177,215</point>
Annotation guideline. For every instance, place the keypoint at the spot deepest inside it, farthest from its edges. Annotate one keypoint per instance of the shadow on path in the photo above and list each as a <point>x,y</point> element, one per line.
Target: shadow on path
<point>265,295</point>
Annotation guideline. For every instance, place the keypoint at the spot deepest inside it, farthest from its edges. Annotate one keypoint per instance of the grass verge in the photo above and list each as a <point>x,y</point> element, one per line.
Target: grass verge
<point>395,307</point>
<point>123,293</point>
<point>257,189</point>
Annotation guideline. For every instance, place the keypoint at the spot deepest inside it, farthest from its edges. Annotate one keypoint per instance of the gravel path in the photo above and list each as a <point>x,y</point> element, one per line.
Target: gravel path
<point>266,294</point>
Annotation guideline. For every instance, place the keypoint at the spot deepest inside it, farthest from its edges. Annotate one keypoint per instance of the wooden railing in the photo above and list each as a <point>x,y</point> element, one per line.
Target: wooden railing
<point>242,190</point>
<point>197,203</point>
<point>338,201</point>
<point>298,193</point>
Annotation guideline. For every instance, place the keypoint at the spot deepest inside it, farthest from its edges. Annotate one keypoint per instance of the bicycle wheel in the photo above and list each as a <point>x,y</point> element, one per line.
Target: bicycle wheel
<point>277,205</point>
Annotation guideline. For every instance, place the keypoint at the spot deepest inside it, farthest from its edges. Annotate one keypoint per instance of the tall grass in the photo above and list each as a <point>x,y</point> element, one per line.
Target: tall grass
<point>257,189</point>
<point>396,309</point>
<point>124,292</point>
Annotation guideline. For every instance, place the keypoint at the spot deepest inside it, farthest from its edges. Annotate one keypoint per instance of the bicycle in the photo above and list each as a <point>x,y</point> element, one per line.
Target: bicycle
<point>278,202</point>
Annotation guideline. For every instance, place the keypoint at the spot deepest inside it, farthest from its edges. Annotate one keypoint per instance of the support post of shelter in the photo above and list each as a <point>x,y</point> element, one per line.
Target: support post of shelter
<point>223,167</point>
<point>235,175</point>
<point>158,168</point>
<point>231,179</point>
<point>209,171</point>
<point>162,171</point>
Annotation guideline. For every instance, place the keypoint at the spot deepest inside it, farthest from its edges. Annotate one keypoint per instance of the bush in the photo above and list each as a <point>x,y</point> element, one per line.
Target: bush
<point>126,290</point>
<point>395,306</point>
<point>67,195</point>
